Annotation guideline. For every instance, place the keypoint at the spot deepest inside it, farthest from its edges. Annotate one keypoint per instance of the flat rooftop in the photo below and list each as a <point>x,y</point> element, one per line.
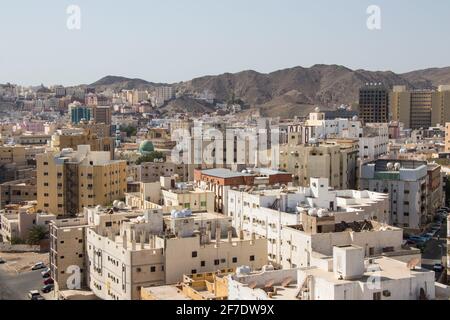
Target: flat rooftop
<point>165,293</point>
<point>225,173</point>
<point>389,269</point>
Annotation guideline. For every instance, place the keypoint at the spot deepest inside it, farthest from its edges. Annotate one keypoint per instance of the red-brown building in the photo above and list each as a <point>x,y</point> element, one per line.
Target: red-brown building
<point>221,180</point>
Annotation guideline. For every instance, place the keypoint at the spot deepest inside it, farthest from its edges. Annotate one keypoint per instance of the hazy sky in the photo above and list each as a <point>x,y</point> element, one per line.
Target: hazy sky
<point>176,40</point>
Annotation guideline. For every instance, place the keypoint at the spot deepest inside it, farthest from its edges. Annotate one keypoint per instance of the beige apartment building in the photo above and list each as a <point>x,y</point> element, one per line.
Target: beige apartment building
<point>67,252</point>
<point>68,243</point>
<point>18,191</point>
<point>420,108</point>
<point>152,171</point>
<point>128,249</point>
<point>69,180</point>
<point>72,138</point>
<point>327,160</point>
<point>13,154</point>
<point>186,196</point>
<point>447,137</point>
<point>17,220</point>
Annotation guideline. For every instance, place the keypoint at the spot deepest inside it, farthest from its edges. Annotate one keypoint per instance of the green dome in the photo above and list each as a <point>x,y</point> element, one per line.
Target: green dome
<point>146,147</point>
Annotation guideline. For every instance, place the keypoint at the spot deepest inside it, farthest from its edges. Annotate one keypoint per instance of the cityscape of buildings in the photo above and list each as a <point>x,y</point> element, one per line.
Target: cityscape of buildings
<point>337,205</point>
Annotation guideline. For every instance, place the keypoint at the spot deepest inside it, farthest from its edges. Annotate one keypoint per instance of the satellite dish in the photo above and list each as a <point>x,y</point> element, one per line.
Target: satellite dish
<point>413,263</point>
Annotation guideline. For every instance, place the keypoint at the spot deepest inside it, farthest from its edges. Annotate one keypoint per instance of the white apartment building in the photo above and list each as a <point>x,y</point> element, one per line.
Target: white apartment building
<point>374,141</point>
<point>168,195</point>
<point>266,212</point>
<point>350,276</point>
<point>406,183</point>
<point>347,275</point>
<point>140,253</point>
<point>313,240</point>
<point>317,127</point>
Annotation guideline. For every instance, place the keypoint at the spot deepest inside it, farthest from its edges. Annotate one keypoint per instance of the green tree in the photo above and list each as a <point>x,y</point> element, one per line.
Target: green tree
<point>130,130</point>
<point>16,240</point>
<point>150,157</point>
<point>36,234</point>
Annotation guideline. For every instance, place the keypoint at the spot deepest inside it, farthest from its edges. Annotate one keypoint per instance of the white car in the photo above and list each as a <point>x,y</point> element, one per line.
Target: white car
<point>34,295</point>
<point>38,265</point>
<point>47,270</point>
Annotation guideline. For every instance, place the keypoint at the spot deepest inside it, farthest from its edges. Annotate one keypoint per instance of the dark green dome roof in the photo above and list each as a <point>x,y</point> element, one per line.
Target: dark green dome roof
<point>146,147</point>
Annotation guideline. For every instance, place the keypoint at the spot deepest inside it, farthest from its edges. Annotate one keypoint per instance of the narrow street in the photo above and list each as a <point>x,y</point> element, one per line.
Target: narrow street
<point>435,249</point>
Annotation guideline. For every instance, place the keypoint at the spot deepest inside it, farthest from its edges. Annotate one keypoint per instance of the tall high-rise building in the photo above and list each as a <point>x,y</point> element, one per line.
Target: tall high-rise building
<point>69,180</point>
<point>60,91</point>
<point>374,103</point>
<point>79,113</point>
<point>420,108</point>
<point>163,94</point>
<point>102,114</point>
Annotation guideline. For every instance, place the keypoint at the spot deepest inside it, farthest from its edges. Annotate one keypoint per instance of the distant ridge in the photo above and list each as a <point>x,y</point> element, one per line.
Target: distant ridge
<point>290,91</point>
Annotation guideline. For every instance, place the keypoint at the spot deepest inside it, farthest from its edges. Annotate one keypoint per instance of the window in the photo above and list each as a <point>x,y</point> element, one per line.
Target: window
<point>193,271</point>
<point>202,263</point>
<point>194,254</point>
<point>252,258</point>
<point>153,269</point>
<point>216,262</point>
<point>377,296</point>
<point>138,269</point>
<point>235,260</point>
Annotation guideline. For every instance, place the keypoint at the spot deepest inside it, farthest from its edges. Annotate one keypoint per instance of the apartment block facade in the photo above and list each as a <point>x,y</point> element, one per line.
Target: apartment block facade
<point>69,180</point>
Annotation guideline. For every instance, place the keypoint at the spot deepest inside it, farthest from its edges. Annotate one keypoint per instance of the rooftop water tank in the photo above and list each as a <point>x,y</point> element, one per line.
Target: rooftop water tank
<point>312,212</point>
<point>242,270</point>
<point>321,213</point>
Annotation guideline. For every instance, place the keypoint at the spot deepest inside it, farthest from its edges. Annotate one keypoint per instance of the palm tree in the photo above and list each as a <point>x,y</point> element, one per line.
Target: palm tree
<point>36,234</point>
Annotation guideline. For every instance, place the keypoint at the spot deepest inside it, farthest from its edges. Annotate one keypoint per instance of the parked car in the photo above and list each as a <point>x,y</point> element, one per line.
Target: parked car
<point>48,288</point>
<point>34,295</point>
<point>46,273</point>
<point>418,240</point>
<point>429,235</point>
<point>426,237</point>
<point>2,261</point>
<point>435,230</point>
<point>38,266</point>
<point>48,281</point>
<point>438,267</point>
<point>436,225</point>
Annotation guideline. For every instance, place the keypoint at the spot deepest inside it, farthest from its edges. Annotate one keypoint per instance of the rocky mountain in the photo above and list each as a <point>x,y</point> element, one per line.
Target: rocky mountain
<point>429,77</point>
<point>122,83</point>
<point>292,91</point>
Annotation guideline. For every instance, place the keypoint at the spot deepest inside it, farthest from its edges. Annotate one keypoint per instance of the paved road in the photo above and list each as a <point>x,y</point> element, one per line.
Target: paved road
<point>433,252</point>
<point>17,286</point>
